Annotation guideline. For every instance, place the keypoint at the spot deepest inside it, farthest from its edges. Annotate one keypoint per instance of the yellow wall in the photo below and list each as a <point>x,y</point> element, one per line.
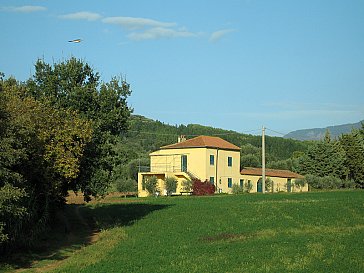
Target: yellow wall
<point>167,163</point>
<point>279,184</point>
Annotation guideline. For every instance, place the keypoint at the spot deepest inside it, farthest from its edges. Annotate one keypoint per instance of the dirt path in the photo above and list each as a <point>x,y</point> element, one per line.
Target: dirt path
<point>80,231</point>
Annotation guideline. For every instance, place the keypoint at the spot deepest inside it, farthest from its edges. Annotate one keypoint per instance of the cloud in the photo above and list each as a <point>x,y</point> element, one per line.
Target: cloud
<point>133,23</point>
<point>160,32</point>
<point>82,15</point>
<point>24,9</point>
<point>217,35</point>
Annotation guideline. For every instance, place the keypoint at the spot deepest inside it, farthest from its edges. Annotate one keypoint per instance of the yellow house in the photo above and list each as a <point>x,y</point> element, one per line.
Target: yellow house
<point>204,157</point>
<point>212,159</point>
<point>279,180</point>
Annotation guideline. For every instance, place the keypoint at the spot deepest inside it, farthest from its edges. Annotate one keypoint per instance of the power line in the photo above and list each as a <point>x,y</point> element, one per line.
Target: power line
<point>276,132</point>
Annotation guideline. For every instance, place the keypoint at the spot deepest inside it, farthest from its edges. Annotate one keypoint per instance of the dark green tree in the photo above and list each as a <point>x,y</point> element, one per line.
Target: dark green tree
<point>73,84</point>
<point>324,158</point>
<point>353,145</point>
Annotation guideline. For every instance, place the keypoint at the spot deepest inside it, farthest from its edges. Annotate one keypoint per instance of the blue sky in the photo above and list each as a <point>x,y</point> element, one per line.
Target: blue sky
<point>229,64</point>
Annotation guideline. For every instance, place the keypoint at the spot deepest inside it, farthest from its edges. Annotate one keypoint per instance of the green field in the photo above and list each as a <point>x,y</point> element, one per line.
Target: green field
<point>308,232</point>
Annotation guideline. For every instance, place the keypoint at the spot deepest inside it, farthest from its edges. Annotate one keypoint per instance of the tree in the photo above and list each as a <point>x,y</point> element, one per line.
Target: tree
<point>151,185</point>
<point>73,85</point>
<point>353,146</point>
<point>41,152</point>
<point>324,158</point>
<point>171,185</point>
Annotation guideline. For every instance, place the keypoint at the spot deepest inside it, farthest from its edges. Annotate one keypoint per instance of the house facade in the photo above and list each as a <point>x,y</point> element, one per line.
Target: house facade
<point>277,180</point>
<point>204,158</point>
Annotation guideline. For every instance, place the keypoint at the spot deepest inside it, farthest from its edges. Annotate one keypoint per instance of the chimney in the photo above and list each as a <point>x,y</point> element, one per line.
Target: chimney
<point>181,138</point>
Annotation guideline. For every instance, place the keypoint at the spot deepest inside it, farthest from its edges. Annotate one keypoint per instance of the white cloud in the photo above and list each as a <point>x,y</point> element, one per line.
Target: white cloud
<point>24,9</point>
<point>160,32</point>
<point>217,35</point>
<point>133,23</point>
<point>82,15</point>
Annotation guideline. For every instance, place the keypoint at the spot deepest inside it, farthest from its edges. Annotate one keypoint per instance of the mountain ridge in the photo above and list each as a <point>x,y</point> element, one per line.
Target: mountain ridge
<point>319,133</point>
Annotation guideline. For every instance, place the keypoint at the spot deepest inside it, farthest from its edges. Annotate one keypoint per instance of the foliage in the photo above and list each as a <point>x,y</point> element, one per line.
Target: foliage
<point>248,186</point>
<point>151,185</point>
<point>237,189</point>
<point>187,185</point>
<point>300,183</point>
<point>202,188</point>
<point>353,146</point>
<point>73,85</point>
<point>171,185</point>
<point>126,185</point>
<point>12,212</point>
<point>268,184</point>
<point>250,160</point>
<point>327,182</point>
<point>324,159</point>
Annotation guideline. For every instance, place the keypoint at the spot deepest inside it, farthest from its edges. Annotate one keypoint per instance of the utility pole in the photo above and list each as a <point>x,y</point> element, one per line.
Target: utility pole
<point>263,160</point>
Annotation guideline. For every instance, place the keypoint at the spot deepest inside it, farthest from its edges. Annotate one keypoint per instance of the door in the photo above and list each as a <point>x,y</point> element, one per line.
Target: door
<point>289,185</point>
<point>259,185</point>
<point>184,163</point>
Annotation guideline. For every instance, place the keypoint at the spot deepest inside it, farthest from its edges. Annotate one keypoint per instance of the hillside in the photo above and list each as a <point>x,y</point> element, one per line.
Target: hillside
<point>148,135</point>
<point>319,133</point>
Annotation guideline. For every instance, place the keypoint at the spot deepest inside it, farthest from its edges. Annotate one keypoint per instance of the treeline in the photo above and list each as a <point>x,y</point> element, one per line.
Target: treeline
<point>335,163</point>
<point>59,131</point>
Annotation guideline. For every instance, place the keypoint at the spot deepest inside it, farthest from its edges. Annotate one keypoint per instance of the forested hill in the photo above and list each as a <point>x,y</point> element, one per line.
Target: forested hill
<point>149,135</point>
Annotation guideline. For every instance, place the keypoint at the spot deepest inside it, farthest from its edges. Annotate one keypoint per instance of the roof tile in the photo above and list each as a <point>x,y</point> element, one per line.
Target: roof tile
<point>202,142</point>
<point>270,172</point>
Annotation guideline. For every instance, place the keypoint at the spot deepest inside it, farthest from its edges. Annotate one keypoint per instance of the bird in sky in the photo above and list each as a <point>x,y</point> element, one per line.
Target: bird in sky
<point>75,41</point>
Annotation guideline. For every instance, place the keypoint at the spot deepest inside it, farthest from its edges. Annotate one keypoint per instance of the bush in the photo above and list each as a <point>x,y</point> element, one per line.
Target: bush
<point>171,185</point>
<point>248,186</point>
<point>127,185</point>
<point>203,188</point>
<point>328,182</point>
<point>268,184</point>
<point>187,185</point>
<point>236,189</point>
<point>150,185</point>
<point>300,183</point>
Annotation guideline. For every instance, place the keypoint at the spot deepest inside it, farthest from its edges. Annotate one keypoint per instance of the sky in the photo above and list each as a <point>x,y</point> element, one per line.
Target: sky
<point>236,65</point>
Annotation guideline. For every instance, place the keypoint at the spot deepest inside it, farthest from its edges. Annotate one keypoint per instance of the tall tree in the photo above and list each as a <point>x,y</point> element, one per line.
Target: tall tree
<point>324,158</point>
<point>41,152</point>
<point>74,85</point>
<point>353,145</point>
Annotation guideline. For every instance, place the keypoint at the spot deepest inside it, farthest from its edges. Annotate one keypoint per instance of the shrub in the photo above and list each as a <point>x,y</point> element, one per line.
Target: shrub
<point>203,188</point>
<point>171,185</point>
<point>248,186</point>
<point>127,185</point>
<point>300,183</point>
<point>187,185</point>
<point>328,182</point>
<point>236,189</point>
<point>349,184</point>
<point>268,184</point>
<point>150,185</point>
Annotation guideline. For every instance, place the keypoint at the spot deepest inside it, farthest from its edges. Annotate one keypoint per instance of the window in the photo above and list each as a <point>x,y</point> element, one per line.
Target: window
<point>230,182</point>
<point>241,183</point>
<point>212,180</point>
<point>212,160</point>
<point>230,161</point>
<point>184,163</point>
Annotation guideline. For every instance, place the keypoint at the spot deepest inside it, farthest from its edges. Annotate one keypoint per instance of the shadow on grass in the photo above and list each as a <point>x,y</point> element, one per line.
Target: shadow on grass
<point>76,226</point>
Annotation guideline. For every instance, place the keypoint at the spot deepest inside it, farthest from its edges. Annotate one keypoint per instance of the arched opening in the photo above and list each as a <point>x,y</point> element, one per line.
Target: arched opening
<point>260,185</point>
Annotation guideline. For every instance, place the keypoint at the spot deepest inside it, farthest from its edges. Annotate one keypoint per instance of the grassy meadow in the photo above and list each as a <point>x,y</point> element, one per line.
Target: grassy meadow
<point>306,232</point>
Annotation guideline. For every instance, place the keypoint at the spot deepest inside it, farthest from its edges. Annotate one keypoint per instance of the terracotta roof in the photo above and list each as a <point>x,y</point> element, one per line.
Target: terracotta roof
<point>203,141</point>
<point>270,172</point>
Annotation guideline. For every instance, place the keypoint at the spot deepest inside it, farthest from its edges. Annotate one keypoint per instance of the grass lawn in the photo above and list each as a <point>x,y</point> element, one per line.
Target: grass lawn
<point>307,232</point>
